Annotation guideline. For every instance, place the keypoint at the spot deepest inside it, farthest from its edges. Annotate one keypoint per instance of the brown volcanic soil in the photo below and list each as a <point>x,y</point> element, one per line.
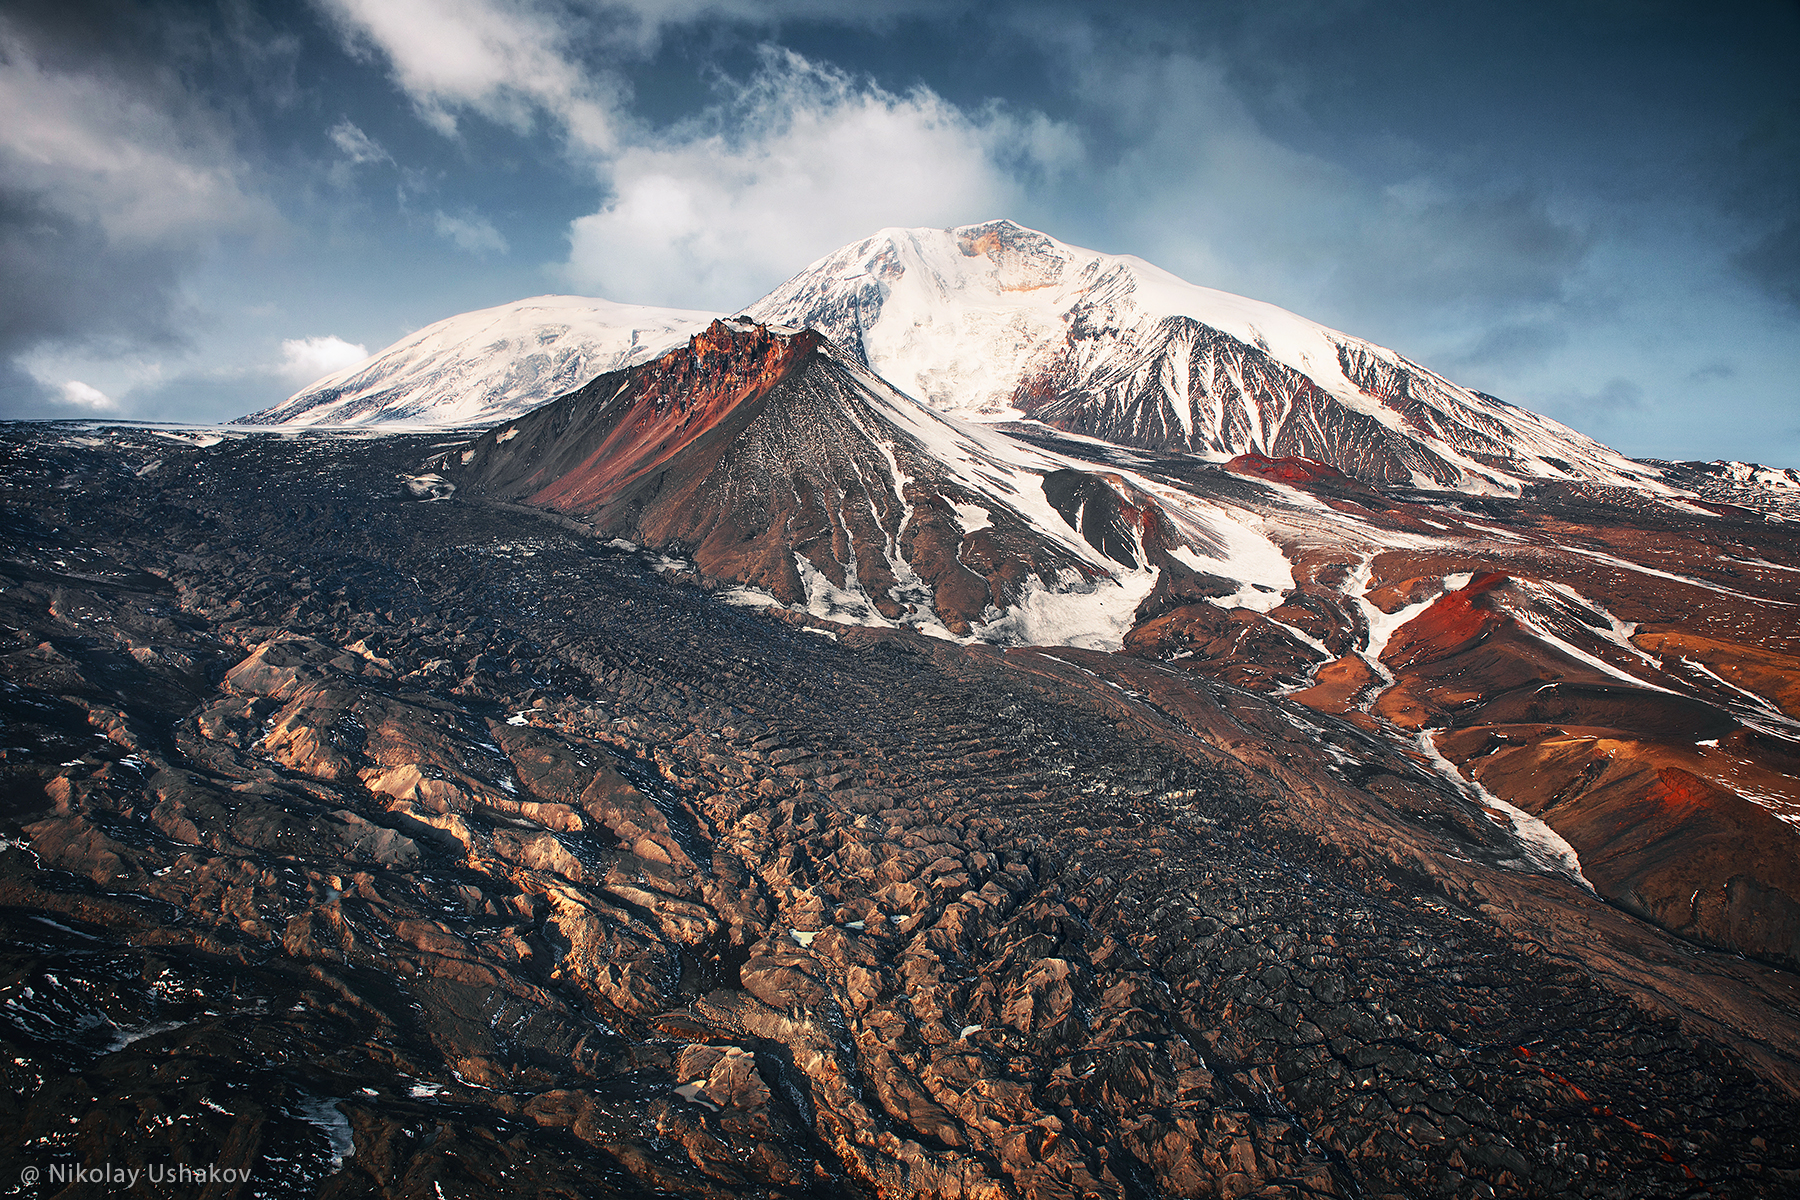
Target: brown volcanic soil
<point>412,849</point>
<point>1644,767</point>
<point>683,397</point>
<point>1692,666</point>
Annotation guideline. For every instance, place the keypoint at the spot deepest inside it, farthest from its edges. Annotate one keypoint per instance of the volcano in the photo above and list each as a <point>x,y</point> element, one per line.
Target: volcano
<point>995,322</point>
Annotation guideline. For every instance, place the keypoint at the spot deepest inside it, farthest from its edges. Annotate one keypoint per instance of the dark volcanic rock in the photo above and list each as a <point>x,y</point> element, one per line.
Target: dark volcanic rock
<point>380,847</point>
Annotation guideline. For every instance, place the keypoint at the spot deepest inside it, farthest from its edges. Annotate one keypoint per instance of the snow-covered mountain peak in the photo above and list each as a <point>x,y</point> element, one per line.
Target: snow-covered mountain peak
<point>898,294</point>
<point>485,366</point>
<point>997,322</point>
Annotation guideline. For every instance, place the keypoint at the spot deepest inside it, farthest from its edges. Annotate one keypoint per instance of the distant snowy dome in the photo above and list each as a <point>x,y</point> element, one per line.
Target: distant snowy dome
<point>485,366</point>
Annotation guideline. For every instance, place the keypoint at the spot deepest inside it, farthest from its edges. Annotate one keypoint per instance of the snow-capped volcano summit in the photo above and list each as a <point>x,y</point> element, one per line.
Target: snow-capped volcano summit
<point>997,322</point>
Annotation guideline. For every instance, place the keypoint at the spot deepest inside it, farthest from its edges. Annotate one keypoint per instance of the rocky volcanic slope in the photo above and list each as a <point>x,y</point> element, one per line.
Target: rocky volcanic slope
<point>1611,672</point>
<point>778,464</point>
<point>1608,672</point>
<point>423,849</point>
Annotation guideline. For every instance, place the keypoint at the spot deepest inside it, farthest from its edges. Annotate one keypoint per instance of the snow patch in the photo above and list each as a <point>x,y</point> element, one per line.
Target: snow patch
<point>1087,614</point>
<point>691,1093</point>
<point>827,601</point>
<point>328,1117</point>
<point>749,597</point>
<point>201,441</point>
<point>125,1037</point>
<point>1222,542</point>
<point>1543,846</point>
<point>972,517</point>
<point>428,487</point>
<point>1382,625</point>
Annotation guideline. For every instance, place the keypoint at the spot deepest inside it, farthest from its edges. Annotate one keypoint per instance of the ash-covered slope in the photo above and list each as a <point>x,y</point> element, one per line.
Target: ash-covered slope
<point>995,321</point>
<point>779,463</point>
<point>487,365</point>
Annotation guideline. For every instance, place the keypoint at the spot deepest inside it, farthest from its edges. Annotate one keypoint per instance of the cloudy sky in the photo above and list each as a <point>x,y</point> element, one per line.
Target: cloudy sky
<point>1590,207</point>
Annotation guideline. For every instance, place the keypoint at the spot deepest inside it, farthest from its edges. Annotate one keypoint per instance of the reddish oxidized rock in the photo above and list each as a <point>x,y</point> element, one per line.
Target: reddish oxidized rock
<point>1291,469</point>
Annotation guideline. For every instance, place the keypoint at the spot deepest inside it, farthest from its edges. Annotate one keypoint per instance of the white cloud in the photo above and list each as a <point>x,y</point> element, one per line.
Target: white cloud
<point>473,233</point>
<point>98,154</point>
<point>504,59</point>
<point>93,399</point>
<point>637,25</point>
<point>791,164</point>
<point>800,160</point>
<point>114,185</point>
<point>357,146</point>
<point>305,359</point>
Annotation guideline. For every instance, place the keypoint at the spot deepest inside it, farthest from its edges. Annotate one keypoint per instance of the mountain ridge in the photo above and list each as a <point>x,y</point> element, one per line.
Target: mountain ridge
<point>779,464</point>
<point>993,322</point>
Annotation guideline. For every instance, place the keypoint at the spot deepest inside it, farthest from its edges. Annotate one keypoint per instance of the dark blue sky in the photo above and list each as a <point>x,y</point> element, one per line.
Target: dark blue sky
<point>1588,209</point>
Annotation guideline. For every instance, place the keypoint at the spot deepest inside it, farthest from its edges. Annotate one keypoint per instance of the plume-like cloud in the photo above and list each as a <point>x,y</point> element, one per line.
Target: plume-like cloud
<point>472,233</point>
<point>508,60</point>
<point>356,145</point>
<point>797,161</point>
<point>112,187</point>
<point>306,359</point>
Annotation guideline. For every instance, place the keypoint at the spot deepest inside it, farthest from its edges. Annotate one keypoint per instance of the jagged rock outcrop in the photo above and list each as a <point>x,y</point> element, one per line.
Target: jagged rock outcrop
<point>772,462</point>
